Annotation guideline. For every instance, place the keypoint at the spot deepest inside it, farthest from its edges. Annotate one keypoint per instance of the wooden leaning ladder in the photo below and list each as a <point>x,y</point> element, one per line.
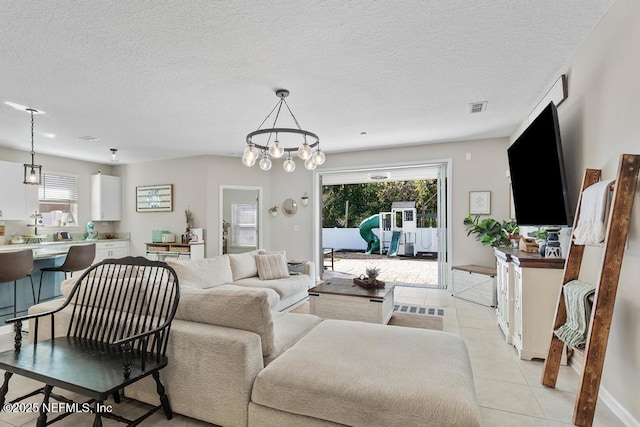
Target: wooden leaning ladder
<point>616,233</point>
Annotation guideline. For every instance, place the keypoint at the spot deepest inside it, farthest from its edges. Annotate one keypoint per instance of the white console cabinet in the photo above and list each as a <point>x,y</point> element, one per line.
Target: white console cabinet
<point>528,286</point>
<point>504,285</point>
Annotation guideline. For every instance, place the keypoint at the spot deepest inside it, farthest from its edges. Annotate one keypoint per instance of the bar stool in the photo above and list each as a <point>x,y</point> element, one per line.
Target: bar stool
<point>15,266</point>
<point>78,258</point>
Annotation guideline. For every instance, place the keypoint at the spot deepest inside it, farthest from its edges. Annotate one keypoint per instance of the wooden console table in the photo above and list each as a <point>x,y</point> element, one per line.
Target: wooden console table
<point>160,251</point>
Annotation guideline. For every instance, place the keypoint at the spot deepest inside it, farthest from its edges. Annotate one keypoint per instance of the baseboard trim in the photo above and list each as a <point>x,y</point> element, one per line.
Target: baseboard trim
<point>607,398</point>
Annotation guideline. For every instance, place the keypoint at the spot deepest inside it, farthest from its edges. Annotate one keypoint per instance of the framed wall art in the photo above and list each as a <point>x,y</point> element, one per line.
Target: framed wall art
<point>154,198</point>
<point>479,202</point>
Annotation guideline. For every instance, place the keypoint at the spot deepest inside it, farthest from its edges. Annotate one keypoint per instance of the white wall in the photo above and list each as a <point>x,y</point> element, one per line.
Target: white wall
<point>196,184</point>
<point>599,121</point>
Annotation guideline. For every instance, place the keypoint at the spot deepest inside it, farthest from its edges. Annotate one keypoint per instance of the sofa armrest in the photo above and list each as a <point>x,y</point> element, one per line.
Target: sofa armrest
<point>310,270</point>
<point>210,373</point>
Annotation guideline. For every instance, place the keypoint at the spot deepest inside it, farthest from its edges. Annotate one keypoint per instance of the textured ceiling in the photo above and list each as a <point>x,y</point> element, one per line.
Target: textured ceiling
<point>165,79</point>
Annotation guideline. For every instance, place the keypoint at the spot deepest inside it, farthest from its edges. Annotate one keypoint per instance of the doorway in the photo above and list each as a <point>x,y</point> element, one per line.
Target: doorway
<point>241,219</point>
<point>431,232</point>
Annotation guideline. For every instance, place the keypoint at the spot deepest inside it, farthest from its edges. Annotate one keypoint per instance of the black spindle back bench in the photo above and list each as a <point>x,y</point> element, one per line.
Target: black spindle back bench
<point>119,315</point>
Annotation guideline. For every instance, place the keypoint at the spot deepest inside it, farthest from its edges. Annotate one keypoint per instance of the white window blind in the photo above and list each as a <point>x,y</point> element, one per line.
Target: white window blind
<point>58,188</point>
<point>244,224</point>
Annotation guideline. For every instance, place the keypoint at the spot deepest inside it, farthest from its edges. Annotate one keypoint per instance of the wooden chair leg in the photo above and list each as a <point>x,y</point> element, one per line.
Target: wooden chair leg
<point>42,418</point>
<point>5,387</point>
<point>97,421</point>
<point>164,400</point>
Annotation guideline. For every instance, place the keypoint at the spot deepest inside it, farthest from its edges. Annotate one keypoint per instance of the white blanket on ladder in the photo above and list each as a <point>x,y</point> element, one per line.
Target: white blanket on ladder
<point>594,207</point>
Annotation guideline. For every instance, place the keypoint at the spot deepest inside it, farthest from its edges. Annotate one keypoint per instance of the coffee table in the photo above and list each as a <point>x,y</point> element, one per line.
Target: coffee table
<point>343,299</point>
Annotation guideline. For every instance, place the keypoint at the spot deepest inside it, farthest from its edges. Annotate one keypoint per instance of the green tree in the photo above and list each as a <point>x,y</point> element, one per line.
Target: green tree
<point>368,199</point>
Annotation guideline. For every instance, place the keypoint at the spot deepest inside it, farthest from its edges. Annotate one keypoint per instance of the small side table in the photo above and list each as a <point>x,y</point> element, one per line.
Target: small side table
<point>327,251</point>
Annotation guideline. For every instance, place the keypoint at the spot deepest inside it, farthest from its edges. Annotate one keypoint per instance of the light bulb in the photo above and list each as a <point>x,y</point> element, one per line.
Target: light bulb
<point>276,150</point>
<point>114,155</point>
<point>310,164</point>
<point>251,152</point>
<point>289,165</point>
<point>265,162</point>
<point>318,157</point>
<point>32,176</point>
<point>248,161</point>
<point>304,152</point>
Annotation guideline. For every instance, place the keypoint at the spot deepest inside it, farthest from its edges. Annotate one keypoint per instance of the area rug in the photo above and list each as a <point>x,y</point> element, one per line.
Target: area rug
<point>412,317</point>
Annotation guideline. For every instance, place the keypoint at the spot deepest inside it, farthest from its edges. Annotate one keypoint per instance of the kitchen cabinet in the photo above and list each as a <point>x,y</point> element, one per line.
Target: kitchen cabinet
<point>106,198</point>
<point>111,249</point>
<point>530,286</point>
<point>13,193</point>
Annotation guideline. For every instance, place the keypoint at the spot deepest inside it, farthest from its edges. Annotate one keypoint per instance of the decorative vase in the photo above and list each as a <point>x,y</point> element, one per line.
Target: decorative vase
<point>371,280</point>
<point>552,246</point>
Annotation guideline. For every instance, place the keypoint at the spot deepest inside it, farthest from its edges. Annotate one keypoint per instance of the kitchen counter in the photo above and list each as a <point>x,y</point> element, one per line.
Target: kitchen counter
<point>50,246</point>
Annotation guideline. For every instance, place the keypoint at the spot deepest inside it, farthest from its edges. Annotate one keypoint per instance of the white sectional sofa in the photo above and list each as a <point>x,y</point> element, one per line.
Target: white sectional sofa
<point>235,361</point>
<point>241,271</point>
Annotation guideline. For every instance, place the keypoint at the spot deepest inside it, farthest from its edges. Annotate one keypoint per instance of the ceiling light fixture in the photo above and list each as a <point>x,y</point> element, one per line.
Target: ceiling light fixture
<point>114,155</point>
<point>272,148</point>
<point>32,172</point>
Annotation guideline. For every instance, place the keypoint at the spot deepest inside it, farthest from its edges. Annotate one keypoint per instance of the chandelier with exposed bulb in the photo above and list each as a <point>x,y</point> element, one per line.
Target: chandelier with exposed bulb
<point>264,144</point>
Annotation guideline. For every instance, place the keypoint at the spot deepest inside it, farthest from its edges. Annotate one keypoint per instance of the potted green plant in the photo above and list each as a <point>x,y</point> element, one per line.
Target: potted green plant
<point>273,210</point>
<point>372,274</point>
<point>491,232</point>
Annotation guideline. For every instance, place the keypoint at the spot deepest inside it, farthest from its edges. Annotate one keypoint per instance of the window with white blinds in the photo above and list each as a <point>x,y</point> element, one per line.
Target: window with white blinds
<point>58,199</point>
<point>58,189</point>
<point>244,224</point>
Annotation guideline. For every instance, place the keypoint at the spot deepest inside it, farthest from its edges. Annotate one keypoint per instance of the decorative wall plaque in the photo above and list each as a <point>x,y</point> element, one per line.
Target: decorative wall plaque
<point>154,198</point>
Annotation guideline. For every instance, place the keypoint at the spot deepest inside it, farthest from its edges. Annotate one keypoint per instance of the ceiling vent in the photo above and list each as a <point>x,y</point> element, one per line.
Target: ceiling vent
<point>477,107</point>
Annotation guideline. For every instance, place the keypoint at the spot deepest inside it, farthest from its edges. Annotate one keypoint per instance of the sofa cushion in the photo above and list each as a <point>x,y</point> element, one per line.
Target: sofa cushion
<point>288,328</point>
<point>272,266</point>
<point>203,273</point>
<point>244,265</point>
<point>234,308</point>
<point>272,296</point>
<point>284,287</point>
<point>356,373</point>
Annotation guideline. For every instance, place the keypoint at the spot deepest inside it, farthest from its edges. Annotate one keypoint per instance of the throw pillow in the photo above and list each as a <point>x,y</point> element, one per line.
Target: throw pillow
<point>272,266</point>
<point>243,265</point>
<point>203,273</point>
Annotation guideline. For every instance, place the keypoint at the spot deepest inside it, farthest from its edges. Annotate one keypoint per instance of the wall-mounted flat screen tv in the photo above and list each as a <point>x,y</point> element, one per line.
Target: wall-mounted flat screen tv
<point>537,173</point>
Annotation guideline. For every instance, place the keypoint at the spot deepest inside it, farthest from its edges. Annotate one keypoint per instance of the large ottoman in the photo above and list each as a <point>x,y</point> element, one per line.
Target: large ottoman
<point>363,374</point>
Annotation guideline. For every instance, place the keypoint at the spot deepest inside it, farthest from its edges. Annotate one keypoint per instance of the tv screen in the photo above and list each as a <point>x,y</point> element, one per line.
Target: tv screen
<point>537,173</point>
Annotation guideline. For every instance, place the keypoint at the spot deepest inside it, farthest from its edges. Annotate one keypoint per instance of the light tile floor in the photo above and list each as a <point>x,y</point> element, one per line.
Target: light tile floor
<point>508,389</point>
